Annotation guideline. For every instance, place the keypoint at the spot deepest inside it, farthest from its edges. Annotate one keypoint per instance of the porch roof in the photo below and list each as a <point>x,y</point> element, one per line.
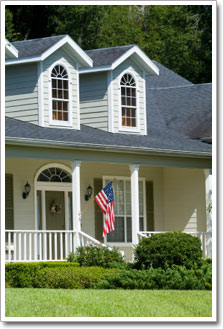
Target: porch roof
<point>157,141</point>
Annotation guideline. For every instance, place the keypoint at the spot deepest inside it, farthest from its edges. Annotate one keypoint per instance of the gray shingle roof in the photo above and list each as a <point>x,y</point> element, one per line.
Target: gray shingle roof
<point>106,56</point>
<point>185,110</point>
<point>155,139</point>
<point>35,47</point>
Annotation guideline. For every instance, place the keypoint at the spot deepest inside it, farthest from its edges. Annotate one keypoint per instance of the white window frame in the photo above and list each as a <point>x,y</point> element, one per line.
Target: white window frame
<point>60,122</point>
<point>125,178</point>
<point>121,127</point>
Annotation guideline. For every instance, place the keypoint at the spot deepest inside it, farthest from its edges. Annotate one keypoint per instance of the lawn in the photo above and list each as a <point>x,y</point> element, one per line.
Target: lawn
<point>107,303</point>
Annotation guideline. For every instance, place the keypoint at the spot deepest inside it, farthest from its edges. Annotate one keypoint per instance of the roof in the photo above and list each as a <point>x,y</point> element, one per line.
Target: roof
<point>106,56</point>
<point>35,47</point>
<point>155,140</point>
<point>185,109</point>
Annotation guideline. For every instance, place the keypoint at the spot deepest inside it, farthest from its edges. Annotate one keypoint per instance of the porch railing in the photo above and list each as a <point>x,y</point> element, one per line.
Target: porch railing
<point>205,237</point>
<point>43,245</point>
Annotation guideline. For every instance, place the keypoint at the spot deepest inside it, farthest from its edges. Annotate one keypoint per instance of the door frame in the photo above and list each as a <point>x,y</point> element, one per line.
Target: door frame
<point>48,186</point>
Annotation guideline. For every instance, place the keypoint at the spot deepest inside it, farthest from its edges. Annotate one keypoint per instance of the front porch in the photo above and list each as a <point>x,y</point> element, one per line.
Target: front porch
<point>171,197</point>
<point>35,246</point>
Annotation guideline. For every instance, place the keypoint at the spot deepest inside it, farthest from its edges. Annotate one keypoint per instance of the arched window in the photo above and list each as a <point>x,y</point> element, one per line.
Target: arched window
<point>60,93</point>
<point>128,101</point>
<point>55,175</point>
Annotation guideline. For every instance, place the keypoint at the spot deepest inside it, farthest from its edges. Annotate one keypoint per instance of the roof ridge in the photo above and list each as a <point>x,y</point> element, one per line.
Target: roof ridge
<point>53,36</point>
<point>181,86</point>
<point>110,47</point>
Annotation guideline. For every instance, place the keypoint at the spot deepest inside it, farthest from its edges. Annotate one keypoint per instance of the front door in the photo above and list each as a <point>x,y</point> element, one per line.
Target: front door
<point>55,220</point>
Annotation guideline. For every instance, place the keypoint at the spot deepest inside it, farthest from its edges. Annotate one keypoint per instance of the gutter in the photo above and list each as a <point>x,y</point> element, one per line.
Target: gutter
<point>103,147</point>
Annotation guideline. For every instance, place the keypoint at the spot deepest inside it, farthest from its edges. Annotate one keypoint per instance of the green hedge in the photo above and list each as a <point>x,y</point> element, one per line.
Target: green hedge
<point>167,249</point>
<point>53,275</point>
<point>177,278</point>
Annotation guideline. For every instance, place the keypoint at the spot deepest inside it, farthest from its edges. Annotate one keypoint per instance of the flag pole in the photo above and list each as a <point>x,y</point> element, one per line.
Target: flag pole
<point>90,202</point>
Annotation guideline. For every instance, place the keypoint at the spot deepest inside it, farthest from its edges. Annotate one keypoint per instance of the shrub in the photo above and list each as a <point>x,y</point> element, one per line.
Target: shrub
<point>23,275</point>
<point>98,256</point>
<point>177,277</point>
<point>167,249</point>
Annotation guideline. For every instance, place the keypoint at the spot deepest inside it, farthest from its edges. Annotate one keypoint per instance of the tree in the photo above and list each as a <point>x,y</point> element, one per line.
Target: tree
<point>177,36</point>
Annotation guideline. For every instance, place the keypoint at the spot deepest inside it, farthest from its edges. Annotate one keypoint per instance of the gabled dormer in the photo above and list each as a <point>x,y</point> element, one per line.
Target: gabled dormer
<point>42,84</point>
<point>121,107</point>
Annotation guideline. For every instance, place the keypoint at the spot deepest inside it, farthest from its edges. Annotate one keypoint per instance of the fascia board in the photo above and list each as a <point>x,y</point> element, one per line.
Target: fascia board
<point>95,69</point>
<point>149,65</point>
<point>86,60</point>
<point>10,49</point>
<point>104,147</point>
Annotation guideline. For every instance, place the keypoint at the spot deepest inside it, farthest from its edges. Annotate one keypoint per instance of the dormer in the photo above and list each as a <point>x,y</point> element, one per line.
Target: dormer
<point>44,79</point>
<point>123,70</point>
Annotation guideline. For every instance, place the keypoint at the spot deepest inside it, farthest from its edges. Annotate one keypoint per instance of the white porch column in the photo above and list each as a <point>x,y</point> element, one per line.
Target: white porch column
<point>135,202</point>
<point>76,201</point>
<point>208,196</point>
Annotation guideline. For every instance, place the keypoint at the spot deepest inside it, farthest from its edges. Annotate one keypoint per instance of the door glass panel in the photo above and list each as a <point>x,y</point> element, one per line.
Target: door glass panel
<point>70,221</point>
<point>39,211</point>
<point>129,229</point>
<point>141,224</point>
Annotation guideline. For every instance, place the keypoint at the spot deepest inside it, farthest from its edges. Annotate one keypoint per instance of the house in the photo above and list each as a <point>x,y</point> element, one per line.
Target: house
<point>76,120</point>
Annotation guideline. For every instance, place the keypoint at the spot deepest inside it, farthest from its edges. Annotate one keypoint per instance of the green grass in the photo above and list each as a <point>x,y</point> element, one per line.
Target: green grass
<point>107,303</point>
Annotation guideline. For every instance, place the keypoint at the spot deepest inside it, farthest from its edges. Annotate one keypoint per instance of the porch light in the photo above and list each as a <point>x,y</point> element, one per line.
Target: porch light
<point>89,193</point>
<point>27,190</point>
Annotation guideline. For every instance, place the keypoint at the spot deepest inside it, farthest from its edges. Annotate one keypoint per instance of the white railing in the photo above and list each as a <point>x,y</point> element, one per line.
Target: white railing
<point>205,237</point>
<point>43,245</point>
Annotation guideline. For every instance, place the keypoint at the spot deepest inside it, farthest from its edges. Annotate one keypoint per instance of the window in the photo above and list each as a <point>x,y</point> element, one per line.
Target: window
<point>128,101</point>
<point>55,175</point>
<point>60,94</point>
<point>123,218</point>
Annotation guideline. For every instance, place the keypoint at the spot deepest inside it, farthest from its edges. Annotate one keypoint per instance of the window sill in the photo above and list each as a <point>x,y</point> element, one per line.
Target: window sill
<point>61,124</point>
<point>129,130</point>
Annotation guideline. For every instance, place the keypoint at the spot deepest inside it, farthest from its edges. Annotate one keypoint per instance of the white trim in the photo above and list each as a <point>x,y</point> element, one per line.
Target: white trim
<point>96,69</point>
<point>152,69</point>
<point>110,101</point>
<point>49,186</point>
<point>40,94</point>
<point>125,128</point>
<point>78,100</point>
<point>10,50</point>
<point>127,178</point>
<point>83,58</point>
<point>70,116</point>
<point>145,109</point>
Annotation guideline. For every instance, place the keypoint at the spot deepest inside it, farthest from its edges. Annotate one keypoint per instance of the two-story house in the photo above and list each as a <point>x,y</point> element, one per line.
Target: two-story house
<point>76,120</point>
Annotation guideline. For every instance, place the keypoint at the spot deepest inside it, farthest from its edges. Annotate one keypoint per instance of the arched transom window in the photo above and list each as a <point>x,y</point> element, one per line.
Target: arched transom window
<point>128,100</point>
<point>60,93</point>
<point>55,175</point>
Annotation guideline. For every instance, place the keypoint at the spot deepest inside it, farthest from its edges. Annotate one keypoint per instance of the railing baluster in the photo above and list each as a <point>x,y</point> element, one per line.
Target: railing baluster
<point>15,249</point>
<point>61,246</point>
<point>71,246</point>
<point>55,246</point>
<point>50,246</point>
<point>66,242</point>
<point>19,236</point>
<point>40,246</point>
<point>24,246</point>
<point>30,246</point>
<point>35,246</point>
<point>45,246</point>
<point>9,246</point>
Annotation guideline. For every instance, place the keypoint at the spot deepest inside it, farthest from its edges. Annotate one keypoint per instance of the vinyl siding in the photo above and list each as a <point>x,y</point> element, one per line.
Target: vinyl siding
<point>133,68</point>
<point>61,56</point>
<point>21,92</point>
<point>94,100</point>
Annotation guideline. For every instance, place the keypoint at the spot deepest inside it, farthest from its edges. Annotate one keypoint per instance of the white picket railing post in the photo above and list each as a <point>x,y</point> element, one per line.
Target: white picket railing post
<point>61,246</point>
<point>55,246</point>
<point>24,246</point>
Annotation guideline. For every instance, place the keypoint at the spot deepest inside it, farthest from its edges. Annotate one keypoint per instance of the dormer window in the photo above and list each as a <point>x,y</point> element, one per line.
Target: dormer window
<point>128,101</point>
<point>60,94</point>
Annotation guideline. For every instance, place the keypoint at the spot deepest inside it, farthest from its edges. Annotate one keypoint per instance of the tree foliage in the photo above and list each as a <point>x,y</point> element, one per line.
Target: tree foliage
<point>178,36</point>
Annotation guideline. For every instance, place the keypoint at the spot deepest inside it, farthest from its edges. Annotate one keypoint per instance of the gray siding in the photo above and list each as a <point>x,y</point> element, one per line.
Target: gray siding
<point>94,100</point>
<point>21,92</point>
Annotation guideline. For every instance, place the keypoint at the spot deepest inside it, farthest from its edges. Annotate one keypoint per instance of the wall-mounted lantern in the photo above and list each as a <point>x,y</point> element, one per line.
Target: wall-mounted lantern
<point>89,193</point>
<point>27,190</point>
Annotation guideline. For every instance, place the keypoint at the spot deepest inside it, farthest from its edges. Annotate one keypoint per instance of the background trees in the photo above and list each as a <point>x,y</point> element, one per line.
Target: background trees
<point>178,36</point>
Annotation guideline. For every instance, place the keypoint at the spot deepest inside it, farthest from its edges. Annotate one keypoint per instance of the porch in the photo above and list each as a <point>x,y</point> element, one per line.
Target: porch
<point>35,246</point>
<point>161,195</point>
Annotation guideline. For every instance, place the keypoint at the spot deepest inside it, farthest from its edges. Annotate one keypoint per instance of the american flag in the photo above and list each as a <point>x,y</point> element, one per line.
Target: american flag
<point>105,200</point>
